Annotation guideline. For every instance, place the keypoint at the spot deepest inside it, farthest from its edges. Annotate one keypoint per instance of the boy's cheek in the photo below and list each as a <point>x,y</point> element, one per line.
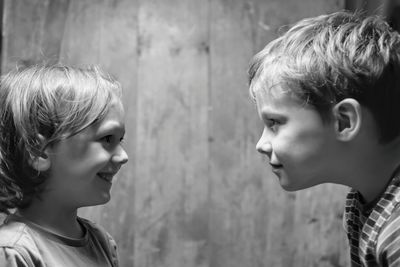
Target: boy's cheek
<point>76,146</point>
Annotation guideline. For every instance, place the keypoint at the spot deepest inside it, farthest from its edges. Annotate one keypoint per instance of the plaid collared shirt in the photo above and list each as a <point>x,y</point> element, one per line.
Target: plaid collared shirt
<point>374,233</point>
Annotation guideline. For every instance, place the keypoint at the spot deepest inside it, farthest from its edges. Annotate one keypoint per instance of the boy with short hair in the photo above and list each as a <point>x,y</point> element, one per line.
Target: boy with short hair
<point>328,92</point>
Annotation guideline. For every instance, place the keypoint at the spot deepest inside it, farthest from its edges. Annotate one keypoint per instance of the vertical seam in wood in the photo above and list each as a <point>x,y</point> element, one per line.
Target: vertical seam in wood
<point>209,124</point>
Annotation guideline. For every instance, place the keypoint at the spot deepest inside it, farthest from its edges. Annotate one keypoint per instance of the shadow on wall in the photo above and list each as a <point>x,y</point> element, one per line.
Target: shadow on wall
<point>394,17</point>
<point>390,9</point>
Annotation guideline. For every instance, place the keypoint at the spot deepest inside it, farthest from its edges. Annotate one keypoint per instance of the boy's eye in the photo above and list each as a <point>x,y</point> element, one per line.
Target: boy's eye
<point>107,138</point>
<point>272,124</point>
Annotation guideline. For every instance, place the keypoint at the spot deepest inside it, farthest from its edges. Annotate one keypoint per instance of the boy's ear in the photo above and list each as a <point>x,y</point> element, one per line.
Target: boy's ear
<point>40,162</point>
<point>348,118</point>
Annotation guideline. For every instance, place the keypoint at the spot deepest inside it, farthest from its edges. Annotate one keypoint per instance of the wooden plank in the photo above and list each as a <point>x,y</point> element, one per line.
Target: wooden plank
<point>22,32</point>
<point>172,147</point>
<point>53,30</point>
<point>1,27</point>
<point>253,221</point>
<point>238,220</point>
<point>82,33</point>
<point>32,31</point>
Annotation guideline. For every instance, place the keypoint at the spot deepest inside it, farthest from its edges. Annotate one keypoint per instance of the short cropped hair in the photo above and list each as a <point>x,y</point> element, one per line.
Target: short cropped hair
<point>54,102</point>
<point>328,58</point>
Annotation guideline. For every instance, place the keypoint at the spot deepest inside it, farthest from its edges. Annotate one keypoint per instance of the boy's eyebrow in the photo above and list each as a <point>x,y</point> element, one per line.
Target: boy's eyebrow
<point>270,112</point>
<point>267,114</point>
<point>112,126</point>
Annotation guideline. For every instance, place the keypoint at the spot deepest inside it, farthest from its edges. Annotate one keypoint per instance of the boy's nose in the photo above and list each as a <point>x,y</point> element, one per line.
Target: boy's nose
<point>264,146</point>
<point>120,157</point>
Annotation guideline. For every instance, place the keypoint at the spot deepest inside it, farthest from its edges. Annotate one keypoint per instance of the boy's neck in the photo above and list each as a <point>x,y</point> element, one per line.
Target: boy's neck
<point>55,219</point>
<point>377,171</point>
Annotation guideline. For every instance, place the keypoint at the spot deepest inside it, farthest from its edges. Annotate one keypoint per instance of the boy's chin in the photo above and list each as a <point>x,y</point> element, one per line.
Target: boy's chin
<point>105,198</point>
<point>292,187</point>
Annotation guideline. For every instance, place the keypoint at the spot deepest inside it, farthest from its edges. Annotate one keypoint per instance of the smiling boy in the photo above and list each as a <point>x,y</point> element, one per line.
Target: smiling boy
<point>61,129</point>
<point>328,92</point>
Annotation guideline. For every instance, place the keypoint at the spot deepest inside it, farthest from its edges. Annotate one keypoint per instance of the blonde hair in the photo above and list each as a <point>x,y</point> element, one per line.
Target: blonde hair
<point>55,102</point>
<point>325,59</point>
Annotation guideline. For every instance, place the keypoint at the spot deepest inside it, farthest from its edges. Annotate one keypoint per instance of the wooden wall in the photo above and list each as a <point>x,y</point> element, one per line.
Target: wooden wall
<point>195,192</point>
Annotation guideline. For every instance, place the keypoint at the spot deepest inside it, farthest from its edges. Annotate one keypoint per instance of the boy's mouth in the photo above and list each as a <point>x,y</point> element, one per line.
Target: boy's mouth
<point>275,166</point>
<point>106,176</point>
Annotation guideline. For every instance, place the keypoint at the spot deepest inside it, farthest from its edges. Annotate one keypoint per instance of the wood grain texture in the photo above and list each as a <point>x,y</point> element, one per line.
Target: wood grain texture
<point>172,148</point>
<point>195,192</point>
<point>23,24</point>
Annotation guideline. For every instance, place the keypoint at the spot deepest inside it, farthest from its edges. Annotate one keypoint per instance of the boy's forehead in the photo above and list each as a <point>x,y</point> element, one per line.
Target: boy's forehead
<point>277,97</point>
<point>114,118</point>
<point>272,91</point>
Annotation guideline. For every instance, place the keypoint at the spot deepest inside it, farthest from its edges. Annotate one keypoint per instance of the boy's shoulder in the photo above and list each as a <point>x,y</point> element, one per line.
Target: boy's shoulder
<point>14,233</point>
<point>17,244</point>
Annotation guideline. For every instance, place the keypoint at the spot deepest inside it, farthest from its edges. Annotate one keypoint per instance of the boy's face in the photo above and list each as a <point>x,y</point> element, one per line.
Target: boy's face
<point>301,148</point>
<point>83,166</point>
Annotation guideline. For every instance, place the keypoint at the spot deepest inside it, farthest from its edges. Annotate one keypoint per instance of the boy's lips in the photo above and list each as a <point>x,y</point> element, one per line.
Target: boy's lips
<point>275,166</point>
<point>107,176</point>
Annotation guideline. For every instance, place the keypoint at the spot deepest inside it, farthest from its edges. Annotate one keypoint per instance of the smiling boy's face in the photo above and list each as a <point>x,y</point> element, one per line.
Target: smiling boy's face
<point>83,166</point>
<point>300,147</point>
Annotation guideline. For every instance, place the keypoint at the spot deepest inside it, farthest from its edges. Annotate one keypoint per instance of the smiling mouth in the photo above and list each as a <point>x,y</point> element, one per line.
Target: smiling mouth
<point>106,177</point>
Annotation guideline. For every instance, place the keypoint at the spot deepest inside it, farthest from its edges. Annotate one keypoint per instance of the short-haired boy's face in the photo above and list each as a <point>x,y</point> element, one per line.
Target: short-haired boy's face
<point>301,148</point>
<point>83,166</point>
